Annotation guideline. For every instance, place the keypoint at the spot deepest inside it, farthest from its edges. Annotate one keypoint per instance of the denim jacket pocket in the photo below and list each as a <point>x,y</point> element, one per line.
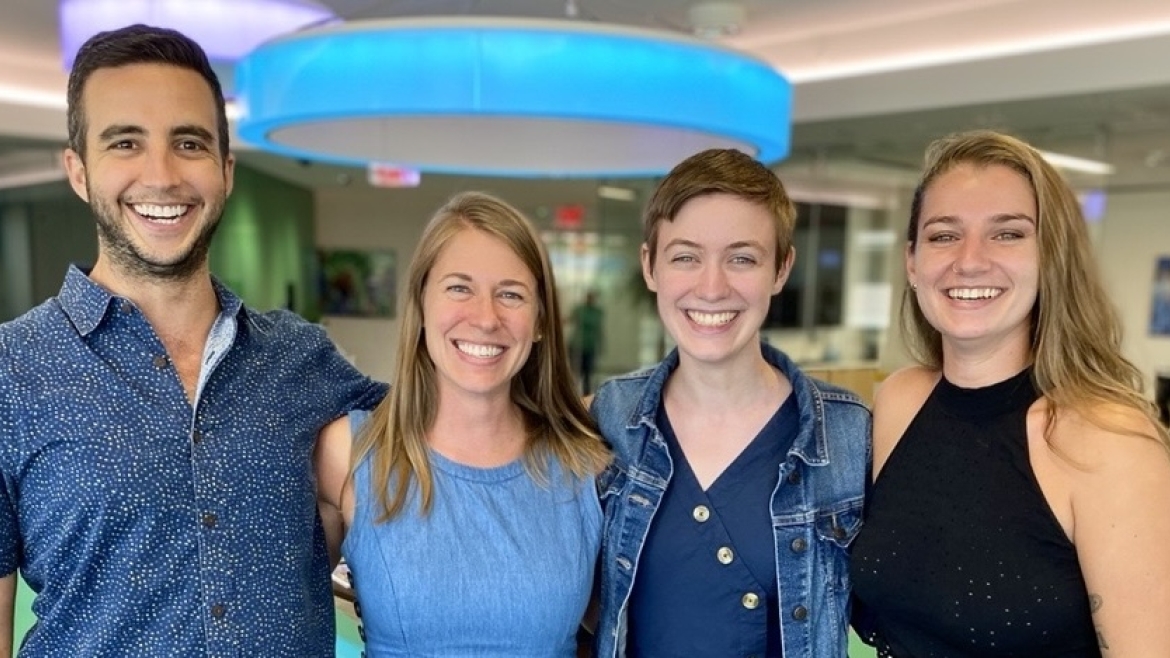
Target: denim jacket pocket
<point>840,526</point>
<point>835,531</point>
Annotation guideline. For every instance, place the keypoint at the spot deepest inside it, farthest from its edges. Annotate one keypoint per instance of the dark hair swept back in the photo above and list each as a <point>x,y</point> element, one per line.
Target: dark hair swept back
<point>138,44</point>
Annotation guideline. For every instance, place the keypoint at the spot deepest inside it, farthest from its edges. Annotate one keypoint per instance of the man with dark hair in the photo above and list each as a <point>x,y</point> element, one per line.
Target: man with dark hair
<point>156,490</point>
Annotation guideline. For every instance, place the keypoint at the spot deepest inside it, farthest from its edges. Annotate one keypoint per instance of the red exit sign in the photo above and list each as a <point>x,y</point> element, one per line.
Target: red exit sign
<point>569,216</point>
<point>380,174</point>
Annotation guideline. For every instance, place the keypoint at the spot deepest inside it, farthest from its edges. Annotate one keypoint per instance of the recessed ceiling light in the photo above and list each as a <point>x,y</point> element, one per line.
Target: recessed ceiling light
<point>616,193</point>
<point>1073,163</point>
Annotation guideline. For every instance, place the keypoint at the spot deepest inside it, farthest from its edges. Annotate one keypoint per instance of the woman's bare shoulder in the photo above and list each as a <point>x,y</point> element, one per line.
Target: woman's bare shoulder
<point>896,401</point>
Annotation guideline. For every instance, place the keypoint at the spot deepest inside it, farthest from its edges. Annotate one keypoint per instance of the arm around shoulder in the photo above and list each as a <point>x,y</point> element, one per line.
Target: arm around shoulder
<point>331,458</point>
<point>1121,506</point>
<point>7,608</point>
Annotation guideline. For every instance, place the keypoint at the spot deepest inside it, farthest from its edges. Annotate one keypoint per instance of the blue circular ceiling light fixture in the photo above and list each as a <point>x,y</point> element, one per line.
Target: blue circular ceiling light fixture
<point>508,97</point>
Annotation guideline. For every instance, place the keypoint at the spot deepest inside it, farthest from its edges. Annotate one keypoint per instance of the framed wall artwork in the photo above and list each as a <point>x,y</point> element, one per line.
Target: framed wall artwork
<point>357,282</point>
<point>1160,298</point>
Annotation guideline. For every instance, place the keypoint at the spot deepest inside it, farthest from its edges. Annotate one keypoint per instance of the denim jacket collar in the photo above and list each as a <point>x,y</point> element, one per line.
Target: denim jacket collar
<point>810,445</point>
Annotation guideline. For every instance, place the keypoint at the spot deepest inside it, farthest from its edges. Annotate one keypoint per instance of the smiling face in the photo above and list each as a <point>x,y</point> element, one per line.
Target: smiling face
<point>480,310</point>
<point>152,172</point>
<point>975,262</point>
<point>715,275</point>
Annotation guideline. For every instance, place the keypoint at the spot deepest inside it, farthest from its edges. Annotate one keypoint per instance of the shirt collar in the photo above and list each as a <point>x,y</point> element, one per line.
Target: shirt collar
<point>811,444</point>
<point>86,303</point>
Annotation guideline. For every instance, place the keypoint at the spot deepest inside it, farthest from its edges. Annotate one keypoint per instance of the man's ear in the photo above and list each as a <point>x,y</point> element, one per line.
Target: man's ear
<point>75,170</point>
<point>229,173</point>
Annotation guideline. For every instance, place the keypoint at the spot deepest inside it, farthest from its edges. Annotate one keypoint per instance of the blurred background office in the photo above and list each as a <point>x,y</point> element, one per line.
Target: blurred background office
<point>871,84</point>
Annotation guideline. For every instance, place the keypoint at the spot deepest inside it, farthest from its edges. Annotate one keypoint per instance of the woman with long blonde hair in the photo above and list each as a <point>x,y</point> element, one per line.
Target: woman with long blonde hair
<point>1021,481</point>
<point>473,522</point>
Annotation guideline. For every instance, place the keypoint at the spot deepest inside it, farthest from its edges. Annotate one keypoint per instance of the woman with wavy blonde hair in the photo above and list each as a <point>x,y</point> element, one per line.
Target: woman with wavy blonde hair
<point>1021,480</point>
<point>473,522</point>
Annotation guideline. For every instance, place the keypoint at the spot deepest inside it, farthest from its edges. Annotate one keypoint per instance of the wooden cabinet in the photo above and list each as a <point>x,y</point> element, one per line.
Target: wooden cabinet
<point>860,379</point>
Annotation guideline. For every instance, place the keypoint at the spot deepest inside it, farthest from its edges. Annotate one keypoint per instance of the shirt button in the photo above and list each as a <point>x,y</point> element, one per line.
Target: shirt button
<point>196,436</point>
<point>160,361</point>
<point>218,611</point>
<point>794,477</point>
<point>209,520</point>
<point>724,555</point>
<point>701,513</point>
<point>800,613</point>
<point>750,601</point>
<point>799,544</point>
<point>126,306</point>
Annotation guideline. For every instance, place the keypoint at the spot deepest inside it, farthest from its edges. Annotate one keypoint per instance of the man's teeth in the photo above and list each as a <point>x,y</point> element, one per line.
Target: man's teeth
<point>973,293</point>
<point>479,351</point>
<point>160,214</point>
<point>711,319</point>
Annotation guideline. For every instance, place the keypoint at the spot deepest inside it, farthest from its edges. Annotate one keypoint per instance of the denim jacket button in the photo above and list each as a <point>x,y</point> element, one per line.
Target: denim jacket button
<point>750,601</point>
<point>799,544</point>
<point>724,555</point>
<point>800,613</point>
<point>794,477</point>
<point>701,513</point>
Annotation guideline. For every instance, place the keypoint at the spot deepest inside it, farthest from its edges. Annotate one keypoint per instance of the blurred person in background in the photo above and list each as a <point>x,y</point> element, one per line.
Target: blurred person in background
<point>587,338</point>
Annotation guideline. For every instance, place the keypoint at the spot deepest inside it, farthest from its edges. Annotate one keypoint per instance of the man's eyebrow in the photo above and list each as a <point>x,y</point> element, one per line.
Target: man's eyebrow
<point>120,130</point>
<point>191,130</point>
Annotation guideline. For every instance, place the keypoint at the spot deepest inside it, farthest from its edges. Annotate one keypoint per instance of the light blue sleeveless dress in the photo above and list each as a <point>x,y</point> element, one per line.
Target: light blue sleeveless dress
<point>501,567</point>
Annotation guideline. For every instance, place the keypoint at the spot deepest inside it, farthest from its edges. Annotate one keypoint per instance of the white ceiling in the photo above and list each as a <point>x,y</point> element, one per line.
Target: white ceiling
<point>874,80</point>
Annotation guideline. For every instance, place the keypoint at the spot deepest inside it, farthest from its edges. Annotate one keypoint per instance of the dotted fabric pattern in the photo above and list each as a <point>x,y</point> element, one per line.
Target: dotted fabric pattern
<point>151,525</point>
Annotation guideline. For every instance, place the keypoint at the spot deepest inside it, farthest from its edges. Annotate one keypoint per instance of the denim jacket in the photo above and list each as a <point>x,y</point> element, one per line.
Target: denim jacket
<point>816,504</point>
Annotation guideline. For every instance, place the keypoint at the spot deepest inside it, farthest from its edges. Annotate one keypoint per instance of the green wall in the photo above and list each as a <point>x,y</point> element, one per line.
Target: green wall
<point>264,245</point>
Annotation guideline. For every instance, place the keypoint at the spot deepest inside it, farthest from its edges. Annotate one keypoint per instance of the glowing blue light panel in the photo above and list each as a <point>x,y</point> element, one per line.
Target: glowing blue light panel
<point>508,97</point>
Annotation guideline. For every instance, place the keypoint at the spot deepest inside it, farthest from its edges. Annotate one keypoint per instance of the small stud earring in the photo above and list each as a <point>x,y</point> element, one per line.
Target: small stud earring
<point>914,287</point>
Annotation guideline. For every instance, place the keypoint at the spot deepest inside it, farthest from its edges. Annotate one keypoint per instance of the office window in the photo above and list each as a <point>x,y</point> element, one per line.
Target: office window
<point>815,291</point>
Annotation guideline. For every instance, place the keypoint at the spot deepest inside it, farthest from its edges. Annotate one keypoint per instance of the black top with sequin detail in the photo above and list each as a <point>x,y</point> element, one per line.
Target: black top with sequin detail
<point>960,555</point>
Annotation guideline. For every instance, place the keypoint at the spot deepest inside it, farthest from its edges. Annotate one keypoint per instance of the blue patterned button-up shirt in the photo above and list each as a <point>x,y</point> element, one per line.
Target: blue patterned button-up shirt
<point>151,526</point>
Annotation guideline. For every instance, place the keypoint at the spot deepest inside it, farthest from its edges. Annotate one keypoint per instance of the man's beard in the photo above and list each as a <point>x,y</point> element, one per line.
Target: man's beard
<point>126,257</point>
